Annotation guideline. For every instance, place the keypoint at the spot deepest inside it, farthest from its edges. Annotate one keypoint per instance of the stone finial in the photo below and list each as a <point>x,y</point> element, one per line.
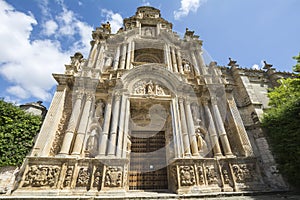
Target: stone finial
<point>232,63</point>
<point>267,66</point>
<point>106,27</point>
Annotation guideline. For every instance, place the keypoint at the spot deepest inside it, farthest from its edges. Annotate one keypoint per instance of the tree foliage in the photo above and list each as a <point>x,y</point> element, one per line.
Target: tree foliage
<point>282,123</point>
<point>17,132</point>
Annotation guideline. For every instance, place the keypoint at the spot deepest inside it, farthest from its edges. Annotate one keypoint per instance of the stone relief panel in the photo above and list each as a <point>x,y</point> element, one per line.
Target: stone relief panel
<point>244,172</point>
<point>41,176</point>
<point>113,176</point>
<point>187,175</point>
<point>83,178</point>
<point>150,88</point>
<point>211,175</point>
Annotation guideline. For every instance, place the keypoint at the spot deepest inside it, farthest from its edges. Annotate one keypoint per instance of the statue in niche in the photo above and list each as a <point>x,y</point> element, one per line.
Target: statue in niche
<point>99,112</point>
<point>148,32</point>
<point>186,66</point>
<point>108,61</point>
<point>92,142</point>
<point>200,136</point>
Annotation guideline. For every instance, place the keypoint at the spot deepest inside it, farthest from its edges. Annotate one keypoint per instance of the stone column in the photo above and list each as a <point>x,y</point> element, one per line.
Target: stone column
<point>93,52</point>
<point>196,67</point>
<point>220,127</point>
<point>176,129</point>
<point>174,62</point>
<point>114,126</point>
<point>126,126</point>
<point>186,141</point>
<point>167,57</point>
<point>179,61</point>
<point>128,56</point>
<point>121,126</point>
<point>117,58</point>
<point>191,128</point>
<point>202,65</point>
<point>72,125</point>
<point>105,131</point>
<point>100,60</point>
<point>212,130</point>
<point>123,56</point>
<point>132,54</point>
<point>83,124</point>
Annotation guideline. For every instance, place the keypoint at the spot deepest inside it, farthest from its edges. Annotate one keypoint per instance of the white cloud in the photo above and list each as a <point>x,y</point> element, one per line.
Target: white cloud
<point>255,66</point>
<point>187,6</point>
<point>146,3</point>
<point>18,91</point>
<point>28,64</point>
<point>50,27</point>
<point>115,19</point>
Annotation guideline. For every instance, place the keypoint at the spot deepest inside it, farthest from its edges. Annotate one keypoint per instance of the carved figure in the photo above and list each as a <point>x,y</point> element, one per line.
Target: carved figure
<point>149,88</point>
<point>187,175</point>
<point>113,177</point>
<point>159,90</point>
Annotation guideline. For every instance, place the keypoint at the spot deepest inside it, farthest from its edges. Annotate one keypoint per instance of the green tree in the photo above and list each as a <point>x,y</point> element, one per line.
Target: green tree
<point>296,68</point>
<point>282,124</point>
<point>17,132</point>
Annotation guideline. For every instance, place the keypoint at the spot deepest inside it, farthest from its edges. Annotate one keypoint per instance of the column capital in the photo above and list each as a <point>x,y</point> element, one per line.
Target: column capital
<point>214,100</point>
<point>90,95</point>
<point>79,94</point>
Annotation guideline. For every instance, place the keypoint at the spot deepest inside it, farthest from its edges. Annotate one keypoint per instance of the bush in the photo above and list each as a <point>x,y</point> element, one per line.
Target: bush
<point>17,132</point>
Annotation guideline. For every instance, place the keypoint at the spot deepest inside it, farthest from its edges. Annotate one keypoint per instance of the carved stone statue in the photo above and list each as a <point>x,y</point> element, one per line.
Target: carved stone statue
<point>99,109</point>
<point>92,142</point>
<point>200,135</point>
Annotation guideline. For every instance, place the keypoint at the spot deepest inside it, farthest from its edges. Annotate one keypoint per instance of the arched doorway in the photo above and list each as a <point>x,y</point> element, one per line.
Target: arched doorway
<point>150,132</point>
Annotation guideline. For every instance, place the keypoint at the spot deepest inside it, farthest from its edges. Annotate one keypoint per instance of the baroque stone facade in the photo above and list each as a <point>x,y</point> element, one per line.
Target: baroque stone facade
<point>144,112</point>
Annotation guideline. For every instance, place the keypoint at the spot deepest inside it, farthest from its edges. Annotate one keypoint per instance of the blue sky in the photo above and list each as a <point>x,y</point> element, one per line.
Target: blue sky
<point>37,37</point>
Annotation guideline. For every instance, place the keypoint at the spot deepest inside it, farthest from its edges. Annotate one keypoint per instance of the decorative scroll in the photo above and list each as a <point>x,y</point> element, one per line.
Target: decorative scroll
<point>97,177</point>
<point>68,177</point>
<point>201,175</point>
<point>113,177</point>
<point>62,127</point>
<point>149,88</point>
<point>39,176</point>
<point>83,177</point>
<point>187,176</point>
